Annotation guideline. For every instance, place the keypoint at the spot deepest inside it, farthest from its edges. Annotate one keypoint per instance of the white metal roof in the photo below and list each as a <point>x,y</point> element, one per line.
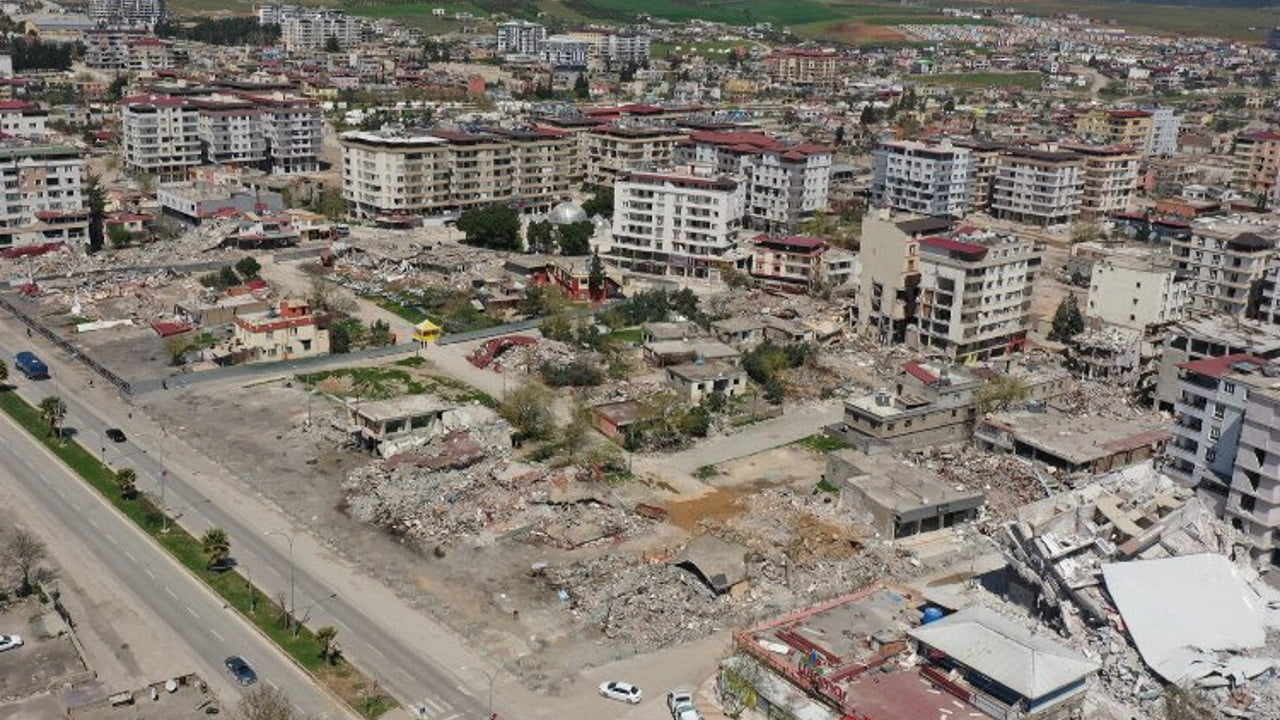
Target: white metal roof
<point>1006,652</point>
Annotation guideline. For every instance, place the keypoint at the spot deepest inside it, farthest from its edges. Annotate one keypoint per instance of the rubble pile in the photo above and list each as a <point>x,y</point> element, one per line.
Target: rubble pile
<point>1009,482</point>
<point>1097,399</point>
<point>529,358</point>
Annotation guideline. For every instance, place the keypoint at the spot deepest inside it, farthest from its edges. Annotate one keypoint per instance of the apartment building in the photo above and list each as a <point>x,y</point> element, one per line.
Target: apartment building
<point>397,173</point>
<point>1038,187</point>
<point>1209,336</point>
<point>786,183</point>
<point>230,131</point>
<point>161,136</point>
<point>149,54</point>
<point>564,51</point>
<point>1110,178</point>
<point>43,201</point>
<point>612,149</point>
<point>889,286</point>
<point>804,67</point>
<point>1227,264</point>
<point>127,13</point>
<point>986,162</point>
<point>1253,501</point>
<point>794,262</point>
<point>975,294</point>
<point>21,118</point>
<point>1116,127</point>
<point>1209,410</point>
<point>314,29</point>
<point>615,50</point>
<point>108,48</point>
<point>1166,126</point>
<point>520,37</point>
<point>293,129</point>
<point>924,178</point>
<point>1256,164</point>
<point>1137,293</point>
<point>677,224</point>
<point>289,331</point>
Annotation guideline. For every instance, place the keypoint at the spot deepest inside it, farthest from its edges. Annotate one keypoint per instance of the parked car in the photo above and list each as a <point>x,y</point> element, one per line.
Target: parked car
<point>626,692</point>
<point>31,366</point>
<point>241,671</point>
<point>680,704</point>
<point>115,435</point>
<point>9,642</point>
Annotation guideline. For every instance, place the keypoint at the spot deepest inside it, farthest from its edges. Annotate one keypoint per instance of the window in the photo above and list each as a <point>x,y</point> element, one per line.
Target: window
<point>1215,432</point>
<point>1247,503</point>
<point>1228,387</point>
<point>1210,455</point>
<point>1219,411</point>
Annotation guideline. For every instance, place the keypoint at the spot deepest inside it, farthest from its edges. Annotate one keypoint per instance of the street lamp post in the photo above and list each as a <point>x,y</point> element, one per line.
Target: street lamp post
<point>488,676</point>
<point>306,614</point>
<point>293,608</point>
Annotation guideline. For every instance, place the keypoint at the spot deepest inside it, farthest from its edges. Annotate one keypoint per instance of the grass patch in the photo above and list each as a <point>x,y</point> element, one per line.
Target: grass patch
<point>388,381</point>
<point>822,443</point>
<point>735,12</point>
<point>626,335</point>
<point>706,472</point>
<point>450,309</point>
<point>1025,80</point>
<point>1236,23</point>
<point>827,487</point>
<point>231,586</point>
<point>412,361</point>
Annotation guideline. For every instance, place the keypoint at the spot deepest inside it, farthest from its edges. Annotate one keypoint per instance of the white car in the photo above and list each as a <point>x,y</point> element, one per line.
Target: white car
<point>9,642</point>
<point>626,692</point>
<point>680,703</point>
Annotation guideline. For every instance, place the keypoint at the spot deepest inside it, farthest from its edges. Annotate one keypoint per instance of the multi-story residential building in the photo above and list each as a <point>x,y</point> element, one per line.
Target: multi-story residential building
<point>287,332</point>
<point>1110,178</point>
<point>1165,129</point>
<point>986,162</point>
<point>610,150</point>
<point>397,174</point>
<point>924,178</point>
<point>1227,264</point>
<point>230,131</point>
<point>161,136</point>
<point>149,54</point>
<point>804,67</point>
<point>564,51</point>
<point>1269,301</point>
<point>677,224</point>
<point>108,48</point>
<point>1256,169</point>
<point>615,50</point>
<point>1209,336</point>
<point>314,30</point>
<point>520,37</point>
<point>1209,410</point>
<point>794,262</point>
<point>1136,293</point>
<point>975,294</point>
<point>1116,127</point>
<point>1038,187</point>
<point>1253,502</point>
<point>22,118</point>
<point>889,285</point>
<point>786,182</point>
<point>127,13</point>
<point>42,194</point>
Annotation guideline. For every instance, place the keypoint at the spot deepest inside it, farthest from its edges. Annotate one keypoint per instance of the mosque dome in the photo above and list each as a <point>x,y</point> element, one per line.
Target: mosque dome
<point>566,213</point>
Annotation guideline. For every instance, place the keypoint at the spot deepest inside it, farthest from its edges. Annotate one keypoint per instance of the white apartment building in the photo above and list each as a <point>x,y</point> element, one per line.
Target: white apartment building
<point>1136,293</point>
<point>1253,502</point>
<point>395,174</point>
<point>1110,179</point>
<point>149,54</point>
<point>975,294</point>
<point>677,224</point>
<point>1227,264</point>
<point>311,31</point>
<point>925,178</point>
<point>889,282</point>
<point>1165,127</point>
<point>293,128</point>
<point>520,37</point>
<point>1209,410</point>
<point>608,151</point>
<point>108,48</point>
<point>615,50</point>
<point>785,183</point>
<point>43,199</point>
<point>564,51</point>
<point>126,13</point>
<point>161,136</point>
<point>230,132</point>
<point>23,119</point>
<point>1038,187</point>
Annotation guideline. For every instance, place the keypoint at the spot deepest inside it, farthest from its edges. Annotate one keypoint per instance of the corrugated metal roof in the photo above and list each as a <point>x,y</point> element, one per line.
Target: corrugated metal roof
<point>1006,652</point>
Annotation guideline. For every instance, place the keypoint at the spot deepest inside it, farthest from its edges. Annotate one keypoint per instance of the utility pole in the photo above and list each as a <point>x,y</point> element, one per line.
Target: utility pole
<point>293,608</point>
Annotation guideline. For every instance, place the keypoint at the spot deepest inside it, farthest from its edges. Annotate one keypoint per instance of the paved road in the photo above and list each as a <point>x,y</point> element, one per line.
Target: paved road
<point>159,585</point>
<point>404,653</point>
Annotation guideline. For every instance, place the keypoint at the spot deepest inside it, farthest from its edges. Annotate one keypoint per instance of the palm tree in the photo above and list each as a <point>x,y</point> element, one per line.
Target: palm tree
<point>127,479</point>
<point>53,410</point>
<point>216,545</point>
<point>4,374</point>
<point>328,649</point>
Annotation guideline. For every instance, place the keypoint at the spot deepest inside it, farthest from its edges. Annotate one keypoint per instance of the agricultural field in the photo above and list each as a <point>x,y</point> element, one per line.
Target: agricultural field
<point>738,12</point>
<point>716,51</point>
<point>1227,22</point>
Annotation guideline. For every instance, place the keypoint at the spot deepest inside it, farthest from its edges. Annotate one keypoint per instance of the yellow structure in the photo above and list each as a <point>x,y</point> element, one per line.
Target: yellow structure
<point>427,331</point>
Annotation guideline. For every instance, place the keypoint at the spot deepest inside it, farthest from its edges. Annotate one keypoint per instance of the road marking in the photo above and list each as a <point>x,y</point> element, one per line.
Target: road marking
<point>215,634</point>
<point>149,573</point>
<point>112,539</point>
<point>61,494</point>
<point>406,675</point>
<point>273,684</point>
<point>166,589</point>
<point>94,523</point>
<point>193,612</point>
<point>380,653</point>
<point>130,556</point>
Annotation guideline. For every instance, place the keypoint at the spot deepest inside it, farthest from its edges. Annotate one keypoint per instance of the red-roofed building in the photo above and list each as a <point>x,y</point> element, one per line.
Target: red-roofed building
<point>288,332</point>
<point>1213,394</point>
<point>788,261</point>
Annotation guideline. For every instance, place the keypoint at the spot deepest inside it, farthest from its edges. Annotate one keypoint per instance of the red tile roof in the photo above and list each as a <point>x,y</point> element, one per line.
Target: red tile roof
<point>956,246</point>
<point>1219,366</point>
<point>918,372</point>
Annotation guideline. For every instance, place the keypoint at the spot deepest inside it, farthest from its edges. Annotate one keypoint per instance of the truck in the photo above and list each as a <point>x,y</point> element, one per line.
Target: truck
<point>31,366</point>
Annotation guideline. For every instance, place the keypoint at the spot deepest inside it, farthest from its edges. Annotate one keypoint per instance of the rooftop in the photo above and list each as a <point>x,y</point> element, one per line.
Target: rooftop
<point>1078,443</point>
<point>401,407</point>
<point>697,372</point>
<point>1219,366</point>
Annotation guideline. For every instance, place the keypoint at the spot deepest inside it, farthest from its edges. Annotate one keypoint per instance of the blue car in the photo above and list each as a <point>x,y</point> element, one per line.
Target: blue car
<point>31,366</point>
<point>241,671</point>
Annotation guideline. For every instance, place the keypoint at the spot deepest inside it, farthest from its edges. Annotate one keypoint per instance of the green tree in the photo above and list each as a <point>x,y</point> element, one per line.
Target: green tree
<point>380,334</point>
<point>600,203</point>
<point>528,409</point>
<point>496,227</point>
<point>332,45</point>
<point>127,480</point>
<point>330,203</point>
<point>575,239</point>
<point>215,545</point>
<point>115,91</point>
<point>581,87</point>
<point>52,411</point>
<point>120,237</point>
<point>248,267</point>
<point>24,550</point>
<point>96,199</point>
<point>596,277</point>
<point>4,374</point>
<point>1067,320</point>
<point>542,301</point>
<point>1001,392</point>
<point>326,636</point>
<point>540,237</point>
<point>227,277</point>
<point>1086,231</point>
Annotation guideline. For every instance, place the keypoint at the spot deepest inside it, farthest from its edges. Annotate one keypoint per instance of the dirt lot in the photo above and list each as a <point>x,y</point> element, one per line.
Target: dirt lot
<point>858,32</point>
<point>44,661</point>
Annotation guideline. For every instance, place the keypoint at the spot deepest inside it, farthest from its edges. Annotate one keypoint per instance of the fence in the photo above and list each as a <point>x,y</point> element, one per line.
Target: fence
<point>35,326</point>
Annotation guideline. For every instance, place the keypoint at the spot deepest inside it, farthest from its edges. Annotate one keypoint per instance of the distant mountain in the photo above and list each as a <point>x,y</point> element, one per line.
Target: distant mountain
<point>1248,4</point>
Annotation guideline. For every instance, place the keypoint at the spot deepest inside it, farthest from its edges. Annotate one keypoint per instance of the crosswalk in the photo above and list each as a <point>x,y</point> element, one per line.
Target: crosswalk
<point>434,709</point>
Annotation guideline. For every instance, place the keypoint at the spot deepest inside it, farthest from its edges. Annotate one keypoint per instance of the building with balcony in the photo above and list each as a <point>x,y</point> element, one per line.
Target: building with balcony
<point>975,294</point>
<point>792,262</point>
<point>21,118</point>
<point>1227,264</point>
<point>149,54</point>
<point>313,30</point>
<point>1255,168</point>
<point>615,50</point>
<point>924,178</point>
<point>1253,501</point>
<point>564,51</point>
<point>610,150</point>
<point>43,202</point>
<point>799,66</point>
<point>287,332</point>
<point>889,287</point>
<point>161,136</point>
<point>786,182</point>
<point>107,48</point>
<point>127,13</point>
<point>1201,337</point>
<point>1116,127</point>
<point>395,174</point>
<point>1209,410</point>
<point>230,131</point>
<point>677,224</point>
<point>1165,129</point>
<point>1110,178</point>
<point>985,157</point>
<point>1136,293</point>
<point>520,37</point>
<point>1038,187</point>
<point>292,128</point>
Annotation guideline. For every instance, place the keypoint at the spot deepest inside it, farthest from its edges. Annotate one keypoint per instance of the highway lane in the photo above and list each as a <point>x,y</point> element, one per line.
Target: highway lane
<point>158,584</point>
<point>411,670</point>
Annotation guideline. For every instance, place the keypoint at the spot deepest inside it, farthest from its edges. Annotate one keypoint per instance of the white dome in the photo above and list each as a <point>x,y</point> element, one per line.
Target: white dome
<point>566,213</point>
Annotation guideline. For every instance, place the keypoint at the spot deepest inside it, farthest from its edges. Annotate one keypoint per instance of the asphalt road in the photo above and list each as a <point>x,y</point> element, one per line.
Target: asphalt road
<point>413,672</point>
<point>158,584</point>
